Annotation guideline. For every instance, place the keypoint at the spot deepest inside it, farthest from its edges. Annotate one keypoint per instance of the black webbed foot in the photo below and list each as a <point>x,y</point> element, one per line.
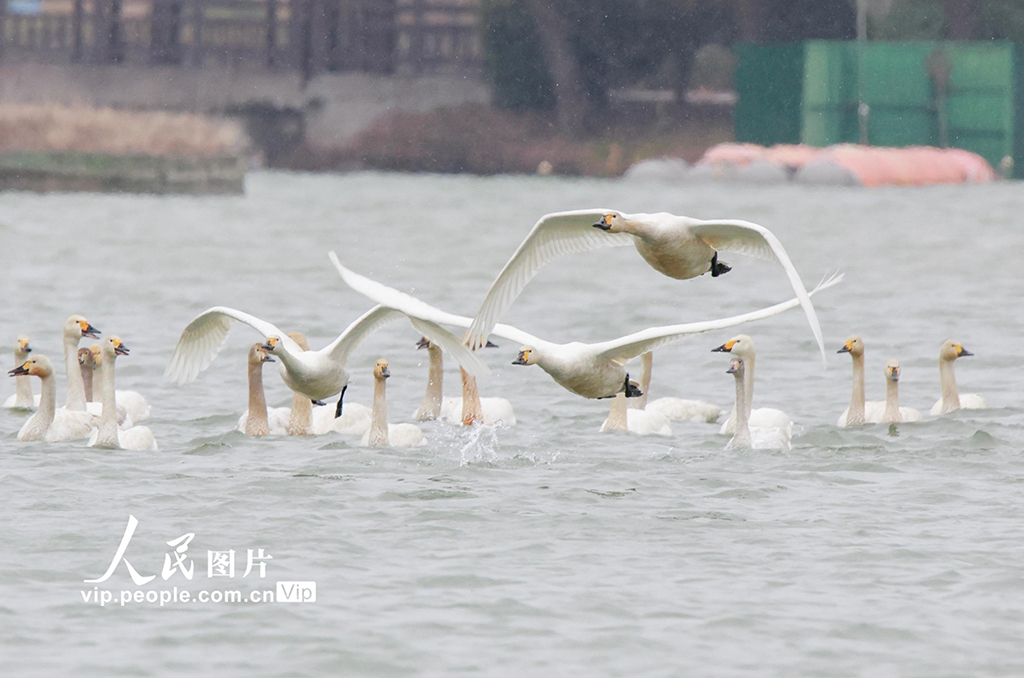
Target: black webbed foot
<point>718,267</point>
<point>337,411</point>
<point>318,403</point>
<point>632,391</point>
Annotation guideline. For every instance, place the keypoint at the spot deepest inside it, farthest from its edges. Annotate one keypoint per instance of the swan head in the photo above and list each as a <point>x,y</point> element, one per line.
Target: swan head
<point>740,345</point>
<point>112,347</point>
<point>423,343</point>
<point>735,367</point>
<point>300,339</point>
<point>37,366</point>
<point>258,355</point>
<point>97,354</point>
<point>612,222</point>
<point>380,369</point>
<point>892,370</point>
<point>76,327</point>
<point>854,346</point>
<point>951,350</point>
<point>527,356</point>
<point>86,358</point>
<point>273,344</point>
<point>22,346</point>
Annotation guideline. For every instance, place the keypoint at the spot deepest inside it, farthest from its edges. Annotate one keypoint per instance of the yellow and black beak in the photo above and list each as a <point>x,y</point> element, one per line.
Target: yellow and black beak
<point>18,371</point>
<point>385,372</point>
<point>120,348</point>
<point>894,374</point>
<point>725,348</point>
<point>271,343</point>
<point>605,223</point>
<point>423,343</point>
<point>845,348</point>
<point>25,347</point>
<point>88,330</point>
<point>962,352</point>
<point>523,357</point>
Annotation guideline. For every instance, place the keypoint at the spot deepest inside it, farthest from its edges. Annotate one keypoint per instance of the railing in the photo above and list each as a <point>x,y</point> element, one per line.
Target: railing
<point>312,36</point>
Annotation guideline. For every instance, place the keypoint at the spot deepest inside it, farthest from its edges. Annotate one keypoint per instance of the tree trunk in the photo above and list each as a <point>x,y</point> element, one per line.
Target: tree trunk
<point>571,101</point>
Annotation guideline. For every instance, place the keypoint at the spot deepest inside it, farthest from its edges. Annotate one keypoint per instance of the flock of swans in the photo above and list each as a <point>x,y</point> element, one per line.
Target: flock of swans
<point>678,247</point>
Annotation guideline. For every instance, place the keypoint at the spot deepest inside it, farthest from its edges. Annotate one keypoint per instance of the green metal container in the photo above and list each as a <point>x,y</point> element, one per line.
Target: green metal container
<point>769,82</point>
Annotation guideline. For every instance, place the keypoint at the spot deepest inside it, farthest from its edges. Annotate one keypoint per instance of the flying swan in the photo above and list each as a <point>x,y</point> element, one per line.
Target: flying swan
<point>679,247</point>
<point>588,370</point>
<point>317,375</point>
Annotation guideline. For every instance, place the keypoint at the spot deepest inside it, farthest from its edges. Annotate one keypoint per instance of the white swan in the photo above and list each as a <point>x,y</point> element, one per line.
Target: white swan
<point>305,419</point>
<point>952,399</point>
<point>894,414</point>
<point>318,375</point>
<point>88,360</point>
<point>43,425</point>
<point>745,436</point>
<point>22,399</point>
<point>381,433</point>
<point>675,409</point>
<point>860,411</point>
<point>108,435</point>
<point>621,417</point>
<point>259,420</point>
<point>588,370</point>
<point>467,409</point>
<point>772,426</point>
<point>679,247</point>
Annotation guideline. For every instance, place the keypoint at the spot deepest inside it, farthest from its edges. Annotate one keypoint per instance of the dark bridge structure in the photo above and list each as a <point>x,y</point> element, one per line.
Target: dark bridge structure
<point>310,37</point>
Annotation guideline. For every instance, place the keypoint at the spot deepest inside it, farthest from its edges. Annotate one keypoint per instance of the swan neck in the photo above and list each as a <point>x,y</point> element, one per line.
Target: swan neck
<point>256,424</point>
<point>379,415</point>
<point>472,410</point>
<point>856,413</point>
<point>892,402</point>
<point>87,373</point>
<point>22,383</point>
<point>617,418</point>
<point>47,399</point>
<point>431,407</point>
<point>748,383</point>
<point>646,364</point>
<point>107,436</point>
<point>950,394</point>
<point>76,388</point>
<point>741,432</point>
<point>300,422</point>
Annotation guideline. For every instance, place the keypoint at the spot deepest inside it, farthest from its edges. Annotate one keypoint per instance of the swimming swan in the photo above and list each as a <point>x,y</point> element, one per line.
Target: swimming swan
<point>894,414</point>
<point>315,374</point>
<point>381,433</point>
<point>43,425</point>
<point>860,411</point>
<point>108,435</point>
<point>22,398</point>
<point>771,428</point>
<point>951,399</point>
<point>641,422</point>
<point>675,409</point>
<point>679,247</point>
<point>588,370</point>
<point>745,437</point>
<point>88,360</point>
<point>467,409</point>
<point>259,420</point>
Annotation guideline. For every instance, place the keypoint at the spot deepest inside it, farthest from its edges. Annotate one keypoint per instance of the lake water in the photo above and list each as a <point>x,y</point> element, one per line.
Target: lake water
<point>546,549</point>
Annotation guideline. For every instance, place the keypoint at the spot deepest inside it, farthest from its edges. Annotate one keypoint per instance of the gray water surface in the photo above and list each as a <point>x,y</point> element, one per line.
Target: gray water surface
<point>545,549</point>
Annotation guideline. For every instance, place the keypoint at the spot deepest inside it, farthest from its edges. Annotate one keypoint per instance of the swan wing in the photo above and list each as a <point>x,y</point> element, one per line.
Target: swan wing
<point>424,317</point>
<point>632,345</point>
<point>554,235</point>
<point>203,338</point>
<point>745,237</point>
<point>392,298</point>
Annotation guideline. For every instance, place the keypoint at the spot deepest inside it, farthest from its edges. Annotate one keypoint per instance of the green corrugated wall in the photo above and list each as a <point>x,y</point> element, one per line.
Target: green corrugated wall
<point>983,108</point>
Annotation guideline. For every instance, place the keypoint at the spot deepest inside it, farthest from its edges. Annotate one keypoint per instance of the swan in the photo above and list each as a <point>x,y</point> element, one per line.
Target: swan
<point>894,414</point>
<point>131,405</point>
<point>305,419</point>
<point>259,420</point>
<point>381,433</point>
<point>773,426</point>
<point>76,327</point>
<point>88,360</point>
<point>468,409</point>
<point>588,370</point>
<point>951,399</point>
<point>108,435</point>
<point>315,374</point>
<point>43,425</point>
<point>675,409</point>
<point>676,246</point>
<point>860,411</point>
<point>22,398</point>
<point>746,436</point>
<point>621,417</point>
